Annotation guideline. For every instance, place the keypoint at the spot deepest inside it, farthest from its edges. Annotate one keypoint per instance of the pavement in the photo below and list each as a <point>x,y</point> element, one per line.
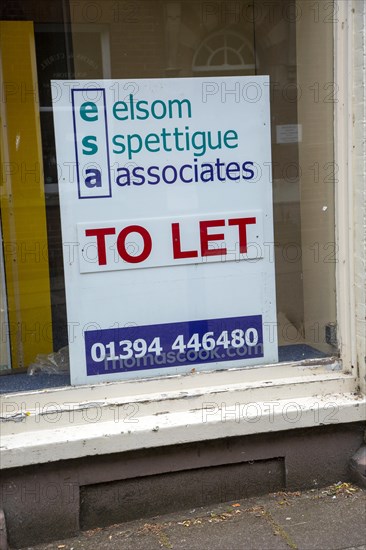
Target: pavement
<point>332,518</point>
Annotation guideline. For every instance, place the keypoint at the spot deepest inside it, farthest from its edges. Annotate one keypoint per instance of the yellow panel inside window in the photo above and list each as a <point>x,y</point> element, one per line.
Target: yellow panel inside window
<point>23,214</point>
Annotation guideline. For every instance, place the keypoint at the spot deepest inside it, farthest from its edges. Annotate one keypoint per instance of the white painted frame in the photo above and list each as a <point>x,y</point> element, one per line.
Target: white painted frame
<point>4,313</point>
<point>71,422</point>
<point>344,191</point>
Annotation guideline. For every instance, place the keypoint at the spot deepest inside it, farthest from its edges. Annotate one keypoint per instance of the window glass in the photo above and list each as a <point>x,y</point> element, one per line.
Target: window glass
<point>290,41</point>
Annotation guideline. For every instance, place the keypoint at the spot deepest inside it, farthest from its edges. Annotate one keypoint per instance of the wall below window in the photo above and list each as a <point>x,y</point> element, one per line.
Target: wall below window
<point>57,500</point>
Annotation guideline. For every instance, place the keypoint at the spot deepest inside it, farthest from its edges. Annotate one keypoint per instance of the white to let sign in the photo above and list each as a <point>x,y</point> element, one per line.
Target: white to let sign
<point>167,225</point>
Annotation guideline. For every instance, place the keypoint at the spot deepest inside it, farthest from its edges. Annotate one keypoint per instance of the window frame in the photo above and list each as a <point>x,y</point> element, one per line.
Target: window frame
<point>344,194</point>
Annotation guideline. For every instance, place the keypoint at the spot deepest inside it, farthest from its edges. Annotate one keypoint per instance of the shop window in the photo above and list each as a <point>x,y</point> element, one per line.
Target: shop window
<point>154,39</point>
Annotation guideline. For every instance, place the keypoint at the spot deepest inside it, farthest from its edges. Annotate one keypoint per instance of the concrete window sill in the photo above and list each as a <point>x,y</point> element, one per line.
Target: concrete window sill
<point>72,422</point>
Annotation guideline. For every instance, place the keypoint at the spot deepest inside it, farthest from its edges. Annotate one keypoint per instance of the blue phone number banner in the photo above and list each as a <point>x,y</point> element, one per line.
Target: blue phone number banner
<point>173,344</point>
